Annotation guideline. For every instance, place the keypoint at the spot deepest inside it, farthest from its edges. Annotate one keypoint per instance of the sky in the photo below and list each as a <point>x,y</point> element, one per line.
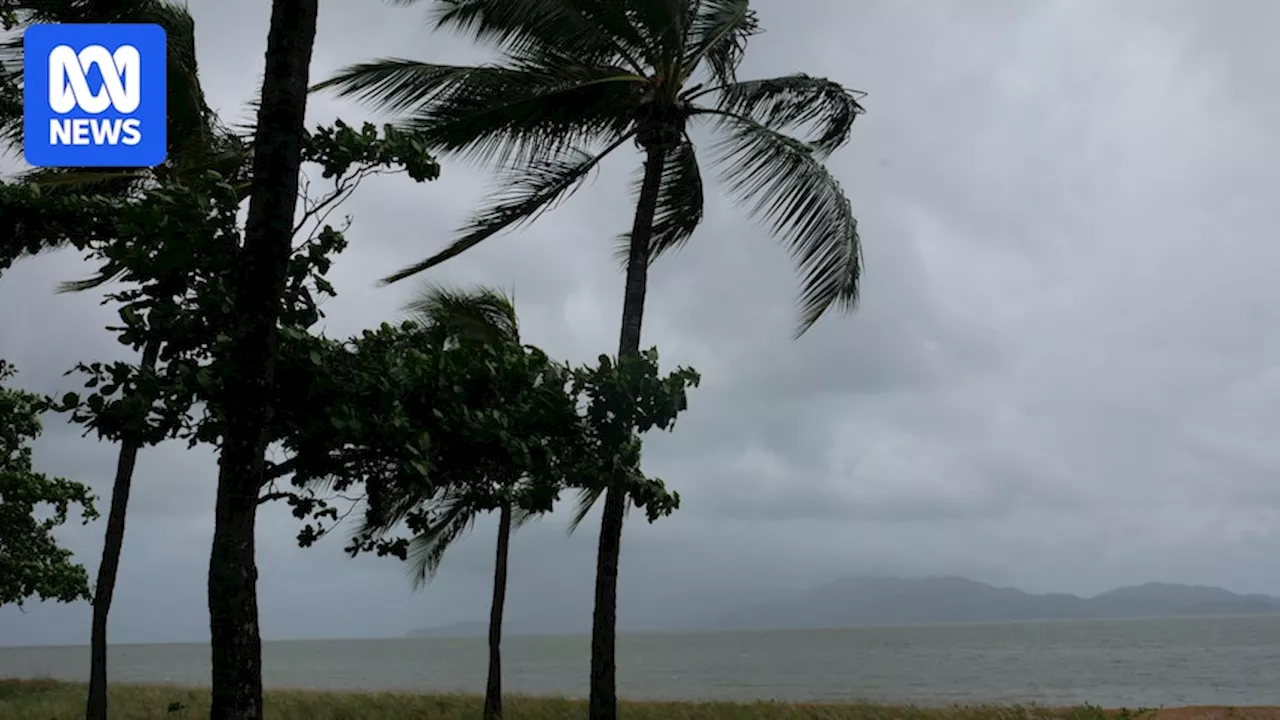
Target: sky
<point>1062,375</point>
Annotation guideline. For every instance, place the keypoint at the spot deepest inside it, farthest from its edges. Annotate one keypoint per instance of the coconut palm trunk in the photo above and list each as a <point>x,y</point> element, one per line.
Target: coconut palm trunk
<point>104,588</point>
<point>604,625</point>
<point>493,687</point>
<point>250,363</point>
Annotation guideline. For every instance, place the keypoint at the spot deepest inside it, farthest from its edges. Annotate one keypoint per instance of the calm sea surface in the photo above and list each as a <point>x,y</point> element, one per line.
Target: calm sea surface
<point>1234,661</point>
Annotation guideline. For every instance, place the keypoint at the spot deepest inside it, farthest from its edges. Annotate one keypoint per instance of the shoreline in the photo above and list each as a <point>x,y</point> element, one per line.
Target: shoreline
<point>42,699</point>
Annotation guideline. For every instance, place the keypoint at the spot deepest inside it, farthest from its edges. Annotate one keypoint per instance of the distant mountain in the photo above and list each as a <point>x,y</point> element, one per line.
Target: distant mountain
<point>509,629</point>
<point>884,601</point>
<point>462,629</point>
<point>878,601</point>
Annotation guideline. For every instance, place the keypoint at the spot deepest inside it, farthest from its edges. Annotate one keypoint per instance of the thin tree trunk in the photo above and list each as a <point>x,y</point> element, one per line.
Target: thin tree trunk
<point>493,689</point>
<point>250,364</point>
<point>104,589</point>
<point>604,626</point>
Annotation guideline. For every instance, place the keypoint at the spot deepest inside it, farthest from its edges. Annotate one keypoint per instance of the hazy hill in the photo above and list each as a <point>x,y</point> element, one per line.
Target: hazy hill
<point>523,626</point>
<point>897,601</point>
<point>872,601</point>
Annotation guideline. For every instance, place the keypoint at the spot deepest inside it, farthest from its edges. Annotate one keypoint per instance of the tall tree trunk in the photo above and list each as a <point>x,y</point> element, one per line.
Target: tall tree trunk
<point>604,626</point>
<point>250,362</point>
<point>493,689</point>
<point>104,589</point>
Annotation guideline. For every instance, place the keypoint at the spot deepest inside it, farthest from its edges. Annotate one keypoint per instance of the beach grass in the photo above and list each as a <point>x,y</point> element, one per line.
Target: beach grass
<point>53,700</point>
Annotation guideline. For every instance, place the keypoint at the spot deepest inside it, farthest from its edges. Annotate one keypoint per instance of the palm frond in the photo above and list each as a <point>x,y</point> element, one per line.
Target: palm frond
<point>521,517</point>
<point>665,26</point>
<point>797,102</point>
<point>788,187</point>
<point>189,119</point>
<point>103,277</point>
<point>524,193</point>
<point>482,314</point>
<point>10,100</point>
<point>719,37</point>
<point>530,107</point>
<point>246,127</point>
<point>680,203</point>
<point>427,548</point>
<point>398,84</point>
<point>596,31</point>
<point>115,182</point>
<point>587,498</point>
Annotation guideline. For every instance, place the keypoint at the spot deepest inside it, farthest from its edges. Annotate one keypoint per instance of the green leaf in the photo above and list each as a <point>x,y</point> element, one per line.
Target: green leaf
<point>34,506</point>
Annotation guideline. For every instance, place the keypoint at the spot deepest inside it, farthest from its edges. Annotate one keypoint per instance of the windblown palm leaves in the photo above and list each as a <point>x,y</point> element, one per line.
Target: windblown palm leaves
<point>483,314</point>
<point>449,316</point>
<point>577,79</point>
<point>451,519</point>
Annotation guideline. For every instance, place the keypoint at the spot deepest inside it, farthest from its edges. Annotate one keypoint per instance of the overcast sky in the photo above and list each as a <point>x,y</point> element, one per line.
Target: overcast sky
<point>1063,375</point>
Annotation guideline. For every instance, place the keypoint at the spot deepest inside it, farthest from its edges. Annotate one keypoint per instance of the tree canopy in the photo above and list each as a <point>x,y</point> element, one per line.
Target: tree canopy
<point>32,507</point>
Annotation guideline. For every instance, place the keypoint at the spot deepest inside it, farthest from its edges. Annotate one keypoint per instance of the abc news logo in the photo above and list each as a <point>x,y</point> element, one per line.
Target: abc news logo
<point>69,89</point>
<point>94,95</point>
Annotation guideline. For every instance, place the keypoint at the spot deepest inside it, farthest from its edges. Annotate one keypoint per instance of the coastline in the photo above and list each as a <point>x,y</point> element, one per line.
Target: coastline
<point>55,700</point>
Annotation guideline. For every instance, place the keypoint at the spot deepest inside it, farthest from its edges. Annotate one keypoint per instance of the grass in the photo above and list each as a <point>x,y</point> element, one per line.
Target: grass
<point>53,700</point>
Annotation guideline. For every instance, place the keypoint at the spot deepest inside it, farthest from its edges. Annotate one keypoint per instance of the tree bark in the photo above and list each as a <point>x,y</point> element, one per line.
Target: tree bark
<point>493,688</point>
<point>604,626</point>
<point>257,287</point>
<point>104,588</point>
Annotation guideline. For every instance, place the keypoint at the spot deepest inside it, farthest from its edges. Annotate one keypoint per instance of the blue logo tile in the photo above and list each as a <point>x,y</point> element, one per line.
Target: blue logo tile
<point>94,95</point>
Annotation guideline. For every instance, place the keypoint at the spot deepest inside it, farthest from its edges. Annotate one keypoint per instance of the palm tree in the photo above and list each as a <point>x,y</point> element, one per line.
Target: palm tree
<point>576,80</point>
<point>198,142</point>
<point>451,317</point>
<point>236,643</point>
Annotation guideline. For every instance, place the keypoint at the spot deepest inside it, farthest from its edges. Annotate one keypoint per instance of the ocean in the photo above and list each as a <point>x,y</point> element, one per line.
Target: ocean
<point>1147,663</point>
